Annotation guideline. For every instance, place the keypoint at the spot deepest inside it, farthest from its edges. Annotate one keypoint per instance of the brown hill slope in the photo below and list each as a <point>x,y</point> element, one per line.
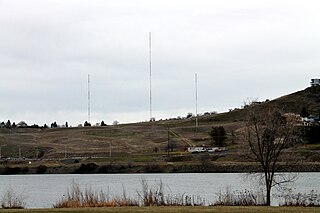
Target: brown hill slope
<point>292,103</point>
<point>144,141</point>
<point>308,98</point>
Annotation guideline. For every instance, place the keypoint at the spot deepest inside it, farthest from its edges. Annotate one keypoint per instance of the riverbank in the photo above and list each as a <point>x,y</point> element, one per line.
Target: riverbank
<point>57,167</point>
<point>218,209</point>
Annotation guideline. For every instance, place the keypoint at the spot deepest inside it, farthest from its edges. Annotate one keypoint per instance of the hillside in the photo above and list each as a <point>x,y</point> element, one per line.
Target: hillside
<point>308,98</point>
<point>291,103</point>
<point>144,142</point>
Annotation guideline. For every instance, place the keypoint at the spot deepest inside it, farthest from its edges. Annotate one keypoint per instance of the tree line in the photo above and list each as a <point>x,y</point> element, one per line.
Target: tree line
<point>23,124</point>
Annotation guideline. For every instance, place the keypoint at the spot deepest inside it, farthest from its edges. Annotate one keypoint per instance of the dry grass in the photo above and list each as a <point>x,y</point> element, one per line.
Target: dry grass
<point>311,199</point>
<point>240,198</point>
<point>175,209</point>
<point>77,198</point>
<point>156,196</point>
<point>148,196</point>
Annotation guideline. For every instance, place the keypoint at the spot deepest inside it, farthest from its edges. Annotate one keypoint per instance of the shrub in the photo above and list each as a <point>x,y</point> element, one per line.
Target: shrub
<point>11,170</point>
<point>239,198</point>
<point>110,168</point>
<point>86,168</point>
<point>310,199</point>
<point>41,169</point>
<point>12,200</point>
<point>153,168</point>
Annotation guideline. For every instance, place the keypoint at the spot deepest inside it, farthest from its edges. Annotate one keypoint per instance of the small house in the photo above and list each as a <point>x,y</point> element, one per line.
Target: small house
<point>315,82</point>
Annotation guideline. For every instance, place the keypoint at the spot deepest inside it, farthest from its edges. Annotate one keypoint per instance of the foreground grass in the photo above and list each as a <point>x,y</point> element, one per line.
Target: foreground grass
<point>220,209</point>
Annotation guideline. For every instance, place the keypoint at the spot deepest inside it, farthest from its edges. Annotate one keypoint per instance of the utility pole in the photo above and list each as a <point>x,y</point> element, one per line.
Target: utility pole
<point>1,150</point>
<point>19,152</point>
<point>65,151</point>
<point>168,141</point>
<point>37,152</point>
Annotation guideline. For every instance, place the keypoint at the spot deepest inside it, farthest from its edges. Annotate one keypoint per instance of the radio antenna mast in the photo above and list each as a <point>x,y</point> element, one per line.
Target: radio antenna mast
<point>196,85</point>
<point>89,98</point>
<point>150,76</point>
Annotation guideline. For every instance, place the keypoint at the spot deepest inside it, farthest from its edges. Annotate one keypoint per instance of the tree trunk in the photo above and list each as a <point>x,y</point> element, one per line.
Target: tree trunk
<point>268,189</point>
<point>268,195</point>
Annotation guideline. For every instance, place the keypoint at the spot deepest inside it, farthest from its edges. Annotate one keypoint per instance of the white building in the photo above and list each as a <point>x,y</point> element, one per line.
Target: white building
<point>315,82</point>
<point>196,149</point>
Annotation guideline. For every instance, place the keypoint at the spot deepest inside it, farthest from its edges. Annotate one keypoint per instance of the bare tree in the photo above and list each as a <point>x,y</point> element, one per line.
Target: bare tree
<point>268,136</point>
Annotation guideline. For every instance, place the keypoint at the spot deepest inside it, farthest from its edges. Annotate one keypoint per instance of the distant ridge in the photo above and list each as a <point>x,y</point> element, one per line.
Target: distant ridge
<point>291,103</point>
<point>308,98</point>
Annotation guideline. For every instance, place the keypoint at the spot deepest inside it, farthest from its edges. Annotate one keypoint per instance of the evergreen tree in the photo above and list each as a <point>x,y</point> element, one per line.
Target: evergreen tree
<point>8,124</point>
<point>86,123</point>
<point>218,135</point>
<point>304,113</point>
<point>54,125</point>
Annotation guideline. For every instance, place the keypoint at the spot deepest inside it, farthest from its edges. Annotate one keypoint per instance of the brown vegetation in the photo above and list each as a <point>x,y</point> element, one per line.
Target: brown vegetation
<point>148,196</point>
<point>77,198</point>
<point>239,198</point>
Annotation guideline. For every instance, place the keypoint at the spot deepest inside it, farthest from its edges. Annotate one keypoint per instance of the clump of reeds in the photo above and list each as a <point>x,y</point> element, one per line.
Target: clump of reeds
<point>12,200</point>
<point>311,199</point>
<point>239,198</point>
<point>148,196</point>
<point>184,200</point>
<point>155,196</point>
<point>152,196</point>
<point>77,198</point>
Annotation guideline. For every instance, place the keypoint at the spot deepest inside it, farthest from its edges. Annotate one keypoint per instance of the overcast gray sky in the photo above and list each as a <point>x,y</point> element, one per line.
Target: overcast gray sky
<point>240,49</point>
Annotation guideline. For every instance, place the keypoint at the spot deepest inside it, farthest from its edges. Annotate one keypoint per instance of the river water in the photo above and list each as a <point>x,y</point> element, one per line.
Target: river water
<point>42,191</point>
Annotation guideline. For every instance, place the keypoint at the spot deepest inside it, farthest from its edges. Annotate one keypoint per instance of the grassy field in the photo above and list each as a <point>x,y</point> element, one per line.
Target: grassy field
<point>179,210</point>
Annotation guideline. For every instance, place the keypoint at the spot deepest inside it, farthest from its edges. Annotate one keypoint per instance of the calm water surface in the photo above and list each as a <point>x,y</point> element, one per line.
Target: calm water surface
<point>42,191</point>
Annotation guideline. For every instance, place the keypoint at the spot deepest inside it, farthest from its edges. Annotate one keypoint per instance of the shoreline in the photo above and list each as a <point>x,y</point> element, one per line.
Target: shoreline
<point>140,168</point>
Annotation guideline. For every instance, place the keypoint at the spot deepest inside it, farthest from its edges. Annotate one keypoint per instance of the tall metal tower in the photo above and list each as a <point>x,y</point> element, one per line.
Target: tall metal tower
<point>150,69</point>
<point>196,90</point>
<point>89,98</point>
